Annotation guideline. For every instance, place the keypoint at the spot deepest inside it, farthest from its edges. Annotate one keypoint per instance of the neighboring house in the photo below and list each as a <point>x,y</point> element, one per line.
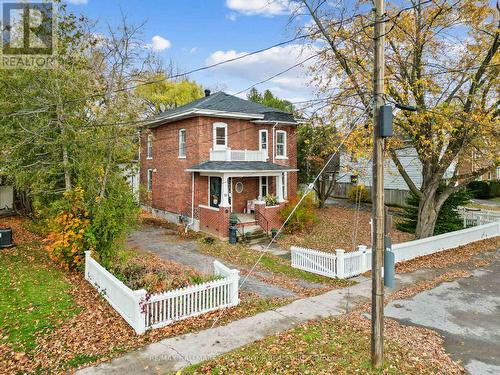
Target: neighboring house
<point>6,196</point>
<point>476,162</point>
<point>219,155</point>
<point>395,187</point>
<point>130,172</point>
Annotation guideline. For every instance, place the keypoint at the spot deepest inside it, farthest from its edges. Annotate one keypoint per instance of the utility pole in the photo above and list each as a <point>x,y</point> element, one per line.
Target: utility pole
<point>377,338</point>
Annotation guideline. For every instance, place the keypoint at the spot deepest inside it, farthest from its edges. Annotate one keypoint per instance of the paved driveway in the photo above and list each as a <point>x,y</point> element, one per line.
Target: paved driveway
<point>466,313</point>
<point>167,245</point>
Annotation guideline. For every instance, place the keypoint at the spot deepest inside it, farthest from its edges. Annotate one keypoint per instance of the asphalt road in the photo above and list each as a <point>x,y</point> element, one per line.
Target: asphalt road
<point>465,312</point>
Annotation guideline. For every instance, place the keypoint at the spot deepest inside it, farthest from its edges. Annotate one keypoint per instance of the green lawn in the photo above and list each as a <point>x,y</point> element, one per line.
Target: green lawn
<point>244,257</point>
<point>35,297</point>
<point>330,346</point>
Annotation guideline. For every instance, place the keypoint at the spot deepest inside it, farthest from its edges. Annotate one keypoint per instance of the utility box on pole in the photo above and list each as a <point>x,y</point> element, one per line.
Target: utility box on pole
<point>385,121</point>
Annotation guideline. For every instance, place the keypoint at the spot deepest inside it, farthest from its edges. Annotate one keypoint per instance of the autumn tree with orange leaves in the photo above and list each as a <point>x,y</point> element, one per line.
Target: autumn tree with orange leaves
<point>442,57</point>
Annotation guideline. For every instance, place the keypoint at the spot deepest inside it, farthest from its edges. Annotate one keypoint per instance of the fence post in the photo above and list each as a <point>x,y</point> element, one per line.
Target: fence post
<point>233,291</point>
<point>362,249</point>
<point>140,313</point>
<point>339,254</point>
<point>87,260</point>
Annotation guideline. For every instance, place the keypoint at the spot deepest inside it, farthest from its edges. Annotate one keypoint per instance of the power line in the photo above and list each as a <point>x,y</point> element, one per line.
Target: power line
<point>304,195</point>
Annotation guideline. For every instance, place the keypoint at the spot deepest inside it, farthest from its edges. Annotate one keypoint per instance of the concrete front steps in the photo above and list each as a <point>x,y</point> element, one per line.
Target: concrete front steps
<point>254,234</point>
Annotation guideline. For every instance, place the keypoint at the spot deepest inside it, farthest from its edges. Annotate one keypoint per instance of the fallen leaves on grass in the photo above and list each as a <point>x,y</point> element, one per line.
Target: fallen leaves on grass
<point>20,234</point>
<point>337,345</point>
<point>97,333</point>
<point>450,257</point>
<point>154,274</point>
<point>336,228</point>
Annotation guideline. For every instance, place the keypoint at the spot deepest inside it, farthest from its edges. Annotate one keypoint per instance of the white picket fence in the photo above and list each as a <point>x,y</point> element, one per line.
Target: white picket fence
<point>474,217</point>
<point>146,311</point>
<point>344,265</point>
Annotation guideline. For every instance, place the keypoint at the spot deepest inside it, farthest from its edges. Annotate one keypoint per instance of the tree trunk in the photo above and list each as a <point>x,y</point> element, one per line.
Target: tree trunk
<point>320,192</point>
<point>428,209</point>
<point>427,217</point>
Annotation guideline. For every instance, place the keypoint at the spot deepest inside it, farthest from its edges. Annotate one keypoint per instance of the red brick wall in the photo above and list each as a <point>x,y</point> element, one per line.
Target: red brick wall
<point>250,191</point>
<point>270,214</point>
<point>172,184</point>
<point>215,222</point>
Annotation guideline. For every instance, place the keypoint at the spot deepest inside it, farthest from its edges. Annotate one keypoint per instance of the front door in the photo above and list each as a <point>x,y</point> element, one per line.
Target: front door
<point>215,191</point>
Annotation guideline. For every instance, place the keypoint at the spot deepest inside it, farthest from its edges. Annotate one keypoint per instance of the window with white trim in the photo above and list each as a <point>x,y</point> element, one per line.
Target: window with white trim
<point>149,150</point>
<point>220,136</point>
<point>182,143</point>
<point>281,144</point>
<point>263,186</point>
<point>263,141</point>
<point>284,184</point>
<point>150,180</point>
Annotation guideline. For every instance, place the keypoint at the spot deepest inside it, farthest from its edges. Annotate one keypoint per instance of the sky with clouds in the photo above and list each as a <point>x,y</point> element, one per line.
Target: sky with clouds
<point>195,33</point>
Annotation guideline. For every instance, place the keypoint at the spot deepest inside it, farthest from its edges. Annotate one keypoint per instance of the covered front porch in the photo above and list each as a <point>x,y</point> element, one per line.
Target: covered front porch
<point>254,191</point>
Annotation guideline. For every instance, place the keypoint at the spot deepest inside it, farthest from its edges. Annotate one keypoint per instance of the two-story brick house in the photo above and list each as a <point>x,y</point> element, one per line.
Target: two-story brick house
<point>219,155</point>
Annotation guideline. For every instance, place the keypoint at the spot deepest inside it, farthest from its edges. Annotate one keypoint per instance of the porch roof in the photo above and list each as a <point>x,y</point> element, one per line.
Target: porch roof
<point>239,166</point>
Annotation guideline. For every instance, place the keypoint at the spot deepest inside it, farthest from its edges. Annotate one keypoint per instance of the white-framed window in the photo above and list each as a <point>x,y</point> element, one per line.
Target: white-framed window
<point>150,180</point>
<point>263,141</point>
<point>149,149</point>
<point>263,186</point>
<point>284,184</point>
<point>281,144</point>
<point>182,143</point>
<point>220,136</point>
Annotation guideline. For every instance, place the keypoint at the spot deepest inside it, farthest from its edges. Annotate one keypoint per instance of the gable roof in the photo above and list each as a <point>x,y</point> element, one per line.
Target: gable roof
<point>221,104</point>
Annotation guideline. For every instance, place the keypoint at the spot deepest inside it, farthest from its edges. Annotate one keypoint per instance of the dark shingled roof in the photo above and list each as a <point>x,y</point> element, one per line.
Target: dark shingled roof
<point>220,101</point>
<point>239,166</point>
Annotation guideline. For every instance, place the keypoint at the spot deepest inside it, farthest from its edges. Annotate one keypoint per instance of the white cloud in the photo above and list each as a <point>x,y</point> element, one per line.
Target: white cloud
<point>77,2</point>
<point>255,68</point>
<point>267,8</point>
<point>232,16</point>
<point>159,44</point>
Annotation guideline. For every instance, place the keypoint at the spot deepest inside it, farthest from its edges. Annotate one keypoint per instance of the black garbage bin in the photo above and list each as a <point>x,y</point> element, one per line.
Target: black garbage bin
<point>232,234</point>
<point>6,238</point>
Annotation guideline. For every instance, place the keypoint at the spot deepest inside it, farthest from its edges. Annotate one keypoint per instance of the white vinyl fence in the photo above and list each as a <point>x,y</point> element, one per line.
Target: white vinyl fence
<point>343,265</point>
<point>144,311</point>
<point>474,217</point>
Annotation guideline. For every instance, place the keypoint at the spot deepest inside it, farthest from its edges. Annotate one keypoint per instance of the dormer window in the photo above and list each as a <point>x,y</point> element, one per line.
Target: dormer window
<point>220,136</point>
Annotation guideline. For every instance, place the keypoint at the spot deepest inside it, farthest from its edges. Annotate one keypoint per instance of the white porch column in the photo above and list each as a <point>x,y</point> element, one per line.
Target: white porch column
<point>279,189</point>
<point>224,192</point>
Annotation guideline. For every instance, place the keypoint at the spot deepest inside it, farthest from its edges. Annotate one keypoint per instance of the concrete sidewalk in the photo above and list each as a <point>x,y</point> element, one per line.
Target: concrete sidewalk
<point>177,352</point>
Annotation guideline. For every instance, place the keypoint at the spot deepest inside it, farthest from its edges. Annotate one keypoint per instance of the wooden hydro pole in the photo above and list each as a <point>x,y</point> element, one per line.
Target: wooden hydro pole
<point>377,334</point>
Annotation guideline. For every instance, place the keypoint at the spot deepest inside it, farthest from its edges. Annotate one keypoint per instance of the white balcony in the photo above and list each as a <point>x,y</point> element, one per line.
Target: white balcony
<point>238,155</point>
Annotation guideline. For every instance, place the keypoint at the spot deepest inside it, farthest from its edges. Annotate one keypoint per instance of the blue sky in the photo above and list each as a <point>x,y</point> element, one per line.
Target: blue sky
<point>194,33</point>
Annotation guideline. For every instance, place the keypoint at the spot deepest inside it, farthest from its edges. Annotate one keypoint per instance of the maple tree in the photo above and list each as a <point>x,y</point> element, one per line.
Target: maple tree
<point>442,58</point>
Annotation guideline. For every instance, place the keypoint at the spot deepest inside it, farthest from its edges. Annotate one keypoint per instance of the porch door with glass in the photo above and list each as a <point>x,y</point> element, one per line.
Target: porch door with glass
<point>215,191</point>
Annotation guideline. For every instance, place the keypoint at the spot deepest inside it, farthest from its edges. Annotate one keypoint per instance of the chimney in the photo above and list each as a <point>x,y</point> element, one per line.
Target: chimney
<point>207,92</point>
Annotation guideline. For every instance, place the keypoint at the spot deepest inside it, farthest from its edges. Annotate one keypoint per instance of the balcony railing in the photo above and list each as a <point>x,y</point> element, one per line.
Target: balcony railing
<point>238,155</point>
